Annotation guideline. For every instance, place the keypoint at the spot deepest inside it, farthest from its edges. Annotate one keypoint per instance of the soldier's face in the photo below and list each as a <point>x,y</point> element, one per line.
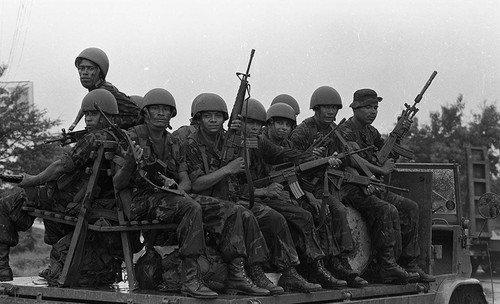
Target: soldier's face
<point>92,119</point>
<point>327,113</point>
<point>211,122</point>
<point>367,114</point>
<point>280,128</point>
<point>159,115</point>
<point>253,127</point>
<point>89,73</point>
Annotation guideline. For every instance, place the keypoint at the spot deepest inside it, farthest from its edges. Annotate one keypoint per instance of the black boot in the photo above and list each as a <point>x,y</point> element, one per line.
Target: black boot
<point>238,282</point>
<point>192,285</point>
<point>317,273</point>
<point>260,279</point>
<point>411,265</point>
<point>291,280</point>
<point>5,271</point>
<point>391,272</point>
<point>339,266</point>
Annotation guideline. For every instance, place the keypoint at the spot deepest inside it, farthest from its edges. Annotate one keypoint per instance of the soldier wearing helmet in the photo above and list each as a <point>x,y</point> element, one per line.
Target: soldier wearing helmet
<point>164,167</point>
<point>337,243</point>
<point>226,181</point>
<point>391,257</point>
<point>280,119</point>
<point>92,65</point>
<point>60,185</point>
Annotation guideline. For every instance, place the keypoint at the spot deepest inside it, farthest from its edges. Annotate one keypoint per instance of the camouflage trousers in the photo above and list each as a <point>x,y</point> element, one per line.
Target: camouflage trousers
<point>301,225</point>
<point>334,235</point>
<point>12,217</point>
<point>172,208</point>
<point>276,233</point>
<point>236,230</point>
<point>393,222</point>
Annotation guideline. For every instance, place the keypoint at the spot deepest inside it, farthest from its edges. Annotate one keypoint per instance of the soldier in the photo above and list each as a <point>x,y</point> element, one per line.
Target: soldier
<point>280,122</point>
<point>210,176</point>
<point>62,185</point>
<point>159,185</point>
<point>326,102</point>
<point>393,217</point>
<point>92,65</point>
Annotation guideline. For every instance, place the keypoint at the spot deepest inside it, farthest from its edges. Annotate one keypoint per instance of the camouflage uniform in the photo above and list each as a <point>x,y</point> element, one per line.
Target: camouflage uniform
<point>203,159</point>
<point>387,214</point>
<point>194,214</point>
<point>65,194</point>
<point>325,234</point>
<point>302,137</point>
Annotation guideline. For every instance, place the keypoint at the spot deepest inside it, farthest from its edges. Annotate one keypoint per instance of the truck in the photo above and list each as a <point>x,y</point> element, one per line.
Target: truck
<point>443,237</point>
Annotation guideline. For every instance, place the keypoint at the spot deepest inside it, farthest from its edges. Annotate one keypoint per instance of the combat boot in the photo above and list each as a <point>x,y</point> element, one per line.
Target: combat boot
<point>238,282</point>
<point>412,267</point>
<point>339,266</point>
<point>291,280</point>
<point>5,270</point>
<point>260,279</point>
<point>192,285</point>
<point>391,272</point>
<point>317,273</point>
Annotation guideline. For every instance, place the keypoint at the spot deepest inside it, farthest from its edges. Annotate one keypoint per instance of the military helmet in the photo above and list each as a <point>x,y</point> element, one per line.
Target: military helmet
<point>97,56</point>
<point>159,96</point>
<point>255,110</point>
<point>103,98</point>
<point>289,100</point>
<point>325,95</point>
<point>209,102</point>
<point>281,110</point>
<point>138,100</point>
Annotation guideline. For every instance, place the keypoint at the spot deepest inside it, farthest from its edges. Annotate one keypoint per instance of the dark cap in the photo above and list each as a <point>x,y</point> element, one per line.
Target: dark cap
<point>364,97</point>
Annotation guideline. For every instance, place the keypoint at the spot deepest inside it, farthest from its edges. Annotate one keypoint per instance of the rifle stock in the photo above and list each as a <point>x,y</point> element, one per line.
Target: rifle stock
<point>11,178</point>
<point>347,177</point>
<point>391,144</point>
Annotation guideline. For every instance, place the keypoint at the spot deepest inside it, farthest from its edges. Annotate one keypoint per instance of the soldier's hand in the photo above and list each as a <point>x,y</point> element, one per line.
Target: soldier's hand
<point>407,124</point>
<point>388,166</point>
<point>236,166</point>
<point>274,190</point>
<point>236,125</point>
<point>319,151</point>
<point>334,162</point>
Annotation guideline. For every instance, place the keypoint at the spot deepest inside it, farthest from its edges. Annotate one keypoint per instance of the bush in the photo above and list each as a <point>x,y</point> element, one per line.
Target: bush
<point>31,255</point>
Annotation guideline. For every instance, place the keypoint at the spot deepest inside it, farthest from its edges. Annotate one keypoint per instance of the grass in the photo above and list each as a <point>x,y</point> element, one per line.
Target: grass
<point>31,255</point>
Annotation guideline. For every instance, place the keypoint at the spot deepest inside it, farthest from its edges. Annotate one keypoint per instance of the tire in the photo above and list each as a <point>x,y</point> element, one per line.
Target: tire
<point>468,294</point>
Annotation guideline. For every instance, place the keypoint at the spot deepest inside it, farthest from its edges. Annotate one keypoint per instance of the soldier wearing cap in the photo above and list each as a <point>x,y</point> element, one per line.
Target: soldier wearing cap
<point>394,218</point>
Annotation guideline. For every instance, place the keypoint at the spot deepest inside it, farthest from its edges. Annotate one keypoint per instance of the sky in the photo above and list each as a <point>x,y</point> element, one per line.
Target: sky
<point>191,47</point>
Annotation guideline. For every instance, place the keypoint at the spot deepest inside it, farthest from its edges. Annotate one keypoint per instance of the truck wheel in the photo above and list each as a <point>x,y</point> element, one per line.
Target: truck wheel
<point>468,294</point>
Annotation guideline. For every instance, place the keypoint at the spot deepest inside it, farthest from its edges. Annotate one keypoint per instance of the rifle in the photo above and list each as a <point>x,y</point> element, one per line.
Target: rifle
<point>289,173</point>
<point>68,137</point>
<point>323,139</point>
<point>11,178</point>
<point>137,156</point>
<point>233,142</point>
<point>346,177</point>
<point>391,144</point>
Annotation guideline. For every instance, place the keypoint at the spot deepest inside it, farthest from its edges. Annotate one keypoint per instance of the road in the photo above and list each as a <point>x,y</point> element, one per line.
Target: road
<point>486,281</point>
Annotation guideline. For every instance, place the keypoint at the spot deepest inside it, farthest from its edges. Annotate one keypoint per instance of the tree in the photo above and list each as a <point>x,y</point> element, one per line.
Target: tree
<point>23,130</point>
<point>447,136</point>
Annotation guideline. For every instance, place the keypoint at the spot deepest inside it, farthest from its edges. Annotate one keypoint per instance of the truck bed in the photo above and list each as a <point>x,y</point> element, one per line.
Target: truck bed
<point>35,290</point>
